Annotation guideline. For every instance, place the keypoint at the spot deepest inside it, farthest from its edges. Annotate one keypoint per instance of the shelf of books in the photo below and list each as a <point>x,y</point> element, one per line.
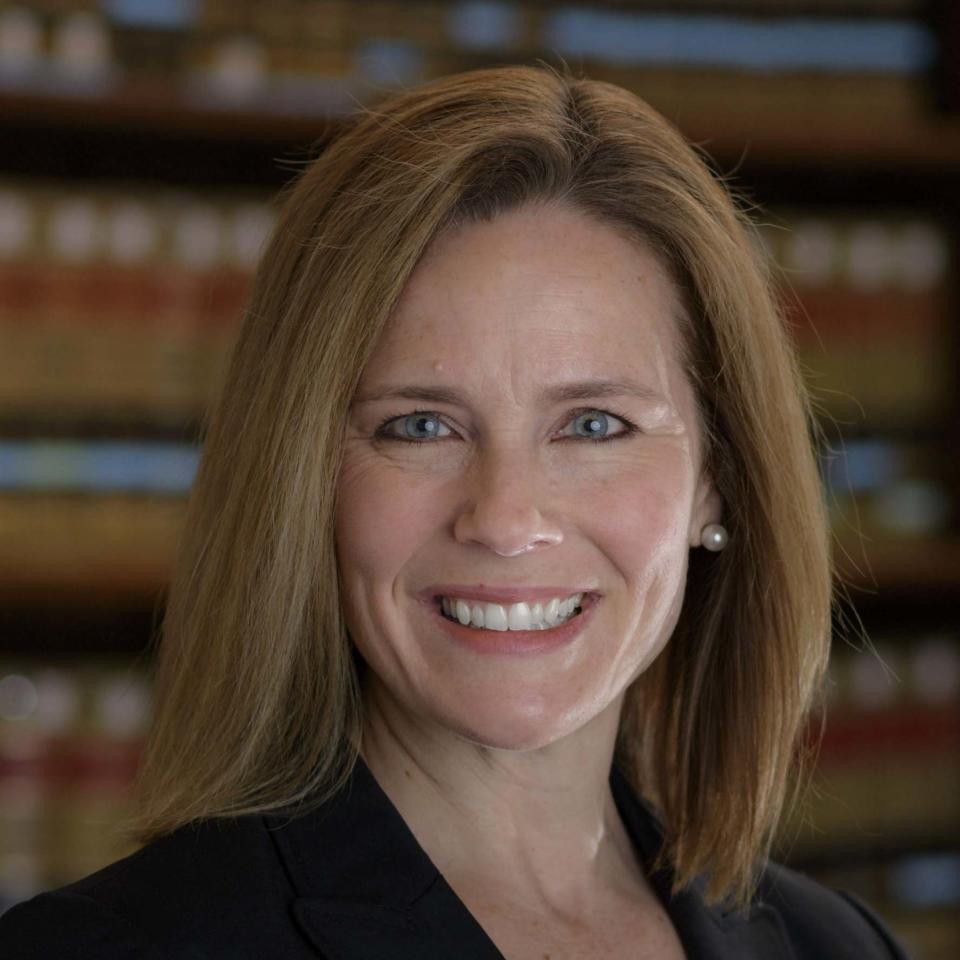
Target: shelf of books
<point>127,245</point>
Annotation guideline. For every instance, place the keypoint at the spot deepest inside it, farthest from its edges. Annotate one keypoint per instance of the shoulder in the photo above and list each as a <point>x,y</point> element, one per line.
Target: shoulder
<point>200,890</point>
<point>63,923</point>
<point>825,923</point>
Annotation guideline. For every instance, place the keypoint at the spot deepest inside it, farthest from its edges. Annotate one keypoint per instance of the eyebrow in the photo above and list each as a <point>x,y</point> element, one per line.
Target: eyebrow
<point>557,393</point>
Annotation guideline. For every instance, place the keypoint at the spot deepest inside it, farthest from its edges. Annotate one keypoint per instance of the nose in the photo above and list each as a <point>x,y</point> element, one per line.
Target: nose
<point>503,512</point>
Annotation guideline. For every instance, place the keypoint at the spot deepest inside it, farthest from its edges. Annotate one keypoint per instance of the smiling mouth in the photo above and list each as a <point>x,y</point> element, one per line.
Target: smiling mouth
<point>510,618</point>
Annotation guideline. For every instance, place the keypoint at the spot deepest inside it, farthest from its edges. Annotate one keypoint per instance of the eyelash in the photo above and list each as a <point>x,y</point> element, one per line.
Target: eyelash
<point>631,428</point>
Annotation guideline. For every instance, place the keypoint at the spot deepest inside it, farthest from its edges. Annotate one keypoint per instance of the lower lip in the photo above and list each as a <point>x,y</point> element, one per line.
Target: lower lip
<point>518,641</point>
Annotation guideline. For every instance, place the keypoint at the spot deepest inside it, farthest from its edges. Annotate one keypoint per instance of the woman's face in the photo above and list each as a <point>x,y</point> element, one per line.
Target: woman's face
<point>509,489</point>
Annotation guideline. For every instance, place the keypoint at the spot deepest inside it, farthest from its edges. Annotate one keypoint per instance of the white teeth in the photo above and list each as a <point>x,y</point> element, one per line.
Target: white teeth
<point>494,617</point>
<point>552,610</point>
<point>516,616</point>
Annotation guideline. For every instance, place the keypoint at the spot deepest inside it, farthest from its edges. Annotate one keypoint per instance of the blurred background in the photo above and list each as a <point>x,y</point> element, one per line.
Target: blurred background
<point>142,145</point>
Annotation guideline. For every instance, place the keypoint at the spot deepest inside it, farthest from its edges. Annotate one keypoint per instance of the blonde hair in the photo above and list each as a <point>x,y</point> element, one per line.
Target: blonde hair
<point>257,699</point>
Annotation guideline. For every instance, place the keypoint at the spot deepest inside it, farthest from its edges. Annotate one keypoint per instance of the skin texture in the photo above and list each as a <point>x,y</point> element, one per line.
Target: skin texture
<point>499,764</point>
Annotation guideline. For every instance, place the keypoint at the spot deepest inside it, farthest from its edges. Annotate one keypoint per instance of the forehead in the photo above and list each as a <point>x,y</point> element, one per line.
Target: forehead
<point>545,293</point>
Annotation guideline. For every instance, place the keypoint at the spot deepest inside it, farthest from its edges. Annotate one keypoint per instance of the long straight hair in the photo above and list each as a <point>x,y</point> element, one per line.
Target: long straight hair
<point>257,701</point>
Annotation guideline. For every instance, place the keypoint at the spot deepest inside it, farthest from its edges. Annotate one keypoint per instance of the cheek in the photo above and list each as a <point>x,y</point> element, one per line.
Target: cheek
<point>382,517</point>
<point>647,542</point>
<point>642,516</point>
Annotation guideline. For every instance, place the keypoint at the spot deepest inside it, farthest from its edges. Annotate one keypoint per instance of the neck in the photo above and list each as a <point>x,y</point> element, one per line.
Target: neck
<point>538,824</point>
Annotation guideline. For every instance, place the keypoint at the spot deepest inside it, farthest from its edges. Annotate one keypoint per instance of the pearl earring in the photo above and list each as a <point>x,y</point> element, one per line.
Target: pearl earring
<point>714,536</point>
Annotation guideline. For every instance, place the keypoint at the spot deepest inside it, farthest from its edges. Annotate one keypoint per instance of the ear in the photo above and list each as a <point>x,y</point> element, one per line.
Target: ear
<point>707,508</point>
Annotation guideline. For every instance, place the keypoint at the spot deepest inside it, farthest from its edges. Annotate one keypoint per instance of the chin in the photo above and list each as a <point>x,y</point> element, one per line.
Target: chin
<point>511,730</point>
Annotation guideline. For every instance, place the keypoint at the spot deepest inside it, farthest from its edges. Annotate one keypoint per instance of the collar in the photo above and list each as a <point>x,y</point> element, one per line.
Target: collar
<point>366,889</point>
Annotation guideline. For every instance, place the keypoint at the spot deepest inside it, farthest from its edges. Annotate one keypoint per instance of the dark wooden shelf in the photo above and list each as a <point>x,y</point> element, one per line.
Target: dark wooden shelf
<point>78,624</point>
<point>146,133</point>
<point>903,565</point>
<point>77,427</point>
<point>850,134</point>
<point>845,852</point>
<point>120,588</point>
<point>153,107</point>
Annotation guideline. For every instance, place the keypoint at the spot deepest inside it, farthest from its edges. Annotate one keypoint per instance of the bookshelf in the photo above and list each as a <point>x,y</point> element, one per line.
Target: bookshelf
<point>136,184</point>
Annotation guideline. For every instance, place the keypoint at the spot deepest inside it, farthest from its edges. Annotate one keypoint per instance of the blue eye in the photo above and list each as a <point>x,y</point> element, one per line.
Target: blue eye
<point>596,422</point>
<point>422,426</point>
<point>415,427</point>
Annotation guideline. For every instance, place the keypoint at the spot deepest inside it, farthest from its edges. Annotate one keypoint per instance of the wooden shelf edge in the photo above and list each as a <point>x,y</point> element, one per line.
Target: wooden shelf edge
<point>863,120</point>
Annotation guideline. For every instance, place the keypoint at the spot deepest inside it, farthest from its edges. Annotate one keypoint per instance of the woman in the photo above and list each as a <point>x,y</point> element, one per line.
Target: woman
<point>505,584</point>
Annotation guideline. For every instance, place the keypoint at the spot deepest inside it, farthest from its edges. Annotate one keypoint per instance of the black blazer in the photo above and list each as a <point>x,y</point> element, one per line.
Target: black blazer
<point>350,882</point>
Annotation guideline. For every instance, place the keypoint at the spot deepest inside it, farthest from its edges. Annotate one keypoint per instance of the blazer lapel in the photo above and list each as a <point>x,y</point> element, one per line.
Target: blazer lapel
<point>366,888</point>
<point>706,932</point>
